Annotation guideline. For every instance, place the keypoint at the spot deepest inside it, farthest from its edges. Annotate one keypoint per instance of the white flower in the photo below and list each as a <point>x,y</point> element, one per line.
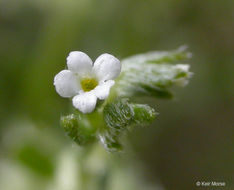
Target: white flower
<point>85,81</point>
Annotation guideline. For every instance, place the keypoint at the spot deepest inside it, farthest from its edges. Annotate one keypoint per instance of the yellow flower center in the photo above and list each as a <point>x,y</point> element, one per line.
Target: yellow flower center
<point>88,84</point>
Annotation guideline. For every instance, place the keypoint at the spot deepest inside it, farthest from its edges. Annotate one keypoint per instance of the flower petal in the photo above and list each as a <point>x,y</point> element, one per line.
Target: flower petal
<point>107,67</point>
<point>79,62</point>
<point>102,90</point>
<point>66,84</point>
<point>85,102</point>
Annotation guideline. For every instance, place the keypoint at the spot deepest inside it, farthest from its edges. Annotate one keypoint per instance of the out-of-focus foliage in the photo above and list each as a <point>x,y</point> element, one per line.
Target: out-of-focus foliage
<point>191,140</point>
<point>47,162</point>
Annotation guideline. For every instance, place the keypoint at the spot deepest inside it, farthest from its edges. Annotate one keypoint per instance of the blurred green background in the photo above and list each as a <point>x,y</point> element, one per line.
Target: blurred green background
<point>192,139</point>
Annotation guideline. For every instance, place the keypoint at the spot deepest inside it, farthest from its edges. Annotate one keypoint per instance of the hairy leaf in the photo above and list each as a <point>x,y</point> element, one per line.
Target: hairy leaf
<point>152,74</point>
<point>76,130</point>
<point>143,114</point>
<point>110,141</point>
<point>119,116</point>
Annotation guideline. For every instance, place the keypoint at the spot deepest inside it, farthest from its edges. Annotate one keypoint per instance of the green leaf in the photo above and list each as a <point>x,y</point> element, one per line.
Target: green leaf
<point>153,74</point>
<point>119,116</point>
<point>110,141</point>
<point>143,114</point>
<point>76,129</point>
